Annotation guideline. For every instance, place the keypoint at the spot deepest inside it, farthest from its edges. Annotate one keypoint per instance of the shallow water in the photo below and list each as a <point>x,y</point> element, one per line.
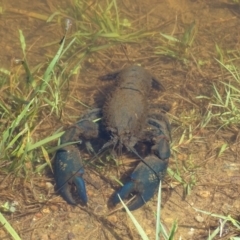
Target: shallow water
<point>212,189</point>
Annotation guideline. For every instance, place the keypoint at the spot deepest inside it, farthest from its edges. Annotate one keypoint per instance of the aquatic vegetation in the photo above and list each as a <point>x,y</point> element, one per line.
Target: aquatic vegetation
<point>177,48</point>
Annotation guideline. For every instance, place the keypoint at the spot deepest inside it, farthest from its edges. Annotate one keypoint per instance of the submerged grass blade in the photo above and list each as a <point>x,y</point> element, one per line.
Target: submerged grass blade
<point>229,218</point>
<point>20,134</point>
<point>23,43</point>
<point>158,229</point>
<point>116,10</point>
<point>48,73</point>
<point>8,227</point>
<point>47,159</point>
<point>24,62</point>
<point>44,141</point>
<point>135,222</point>
<point>28,13</point>
<point>5,71</point>
<point>8,132</point>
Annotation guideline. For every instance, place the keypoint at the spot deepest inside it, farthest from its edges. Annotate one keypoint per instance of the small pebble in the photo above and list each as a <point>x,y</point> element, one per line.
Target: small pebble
<point>149,231</point>
<point>37,216</point>
<point>112,218</point>
<point>203,194</point>
<point>199,218</point>
<point>53,208</point>
<point>191,232</point>
<point>182,157</point>
<point>46,210</point>
<point>48,185</point>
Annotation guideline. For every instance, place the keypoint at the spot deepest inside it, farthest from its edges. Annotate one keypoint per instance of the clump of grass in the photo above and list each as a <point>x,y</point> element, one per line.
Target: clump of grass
<point>223,220</point>
<point>23,101</point>
<point>224,106</point>
<point>227,103</point>
<point>177,48</point>
<point>97,26</point>
<point>188,131</point>
<point>102,23</point>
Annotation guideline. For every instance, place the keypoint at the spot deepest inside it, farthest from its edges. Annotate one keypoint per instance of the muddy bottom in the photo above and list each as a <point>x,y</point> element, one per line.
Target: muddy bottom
<point>209,180</point>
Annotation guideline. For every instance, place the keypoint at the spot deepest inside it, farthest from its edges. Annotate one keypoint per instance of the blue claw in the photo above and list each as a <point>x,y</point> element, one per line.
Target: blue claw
<point>67,161</point>
<point>144,182</point>
<point>68,165</point>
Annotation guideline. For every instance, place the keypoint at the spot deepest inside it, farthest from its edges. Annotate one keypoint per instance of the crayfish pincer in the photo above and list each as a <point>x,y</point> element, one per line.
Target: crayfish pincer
<point>144,181</point>
<point>126,117</point>
<point>68,164</point>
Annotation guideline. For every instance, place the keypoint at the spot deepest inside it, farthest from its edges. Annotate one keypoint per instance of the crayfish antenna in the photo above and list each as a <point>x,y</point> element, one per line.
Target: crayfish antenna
<point>120,147</point>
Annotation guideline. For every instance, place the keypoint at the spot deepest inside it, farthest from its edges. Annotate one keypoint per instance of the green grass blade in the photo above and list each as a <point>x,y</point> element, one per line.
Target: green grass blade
<point>5,71</point>
<point>158,212</point>
<point>135,222</point>
<point>68,46</point>
<point>23,43</point>
<point>229,218</point>
<point>163,231</point>
<point>44,141</point>
<point>30,79</point>
<point>51,17</point>
<point>54,149</point>
<point>229,70</point>
<point>173,230</point>
<point>17,121</point>
<point>216,231</point>
<point>46,156</point>
<point>8,227</point>
<point>170,38</point>
<point>16,138</point>
<point>48,73</point>
<point>116,10</point>
<point>24,62</point>
<point>175,175</point>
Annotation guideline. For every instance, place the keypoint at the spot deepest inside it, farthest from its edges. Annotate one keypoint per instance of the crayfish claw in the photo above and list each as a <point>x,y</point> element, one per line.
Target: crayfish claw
<point>124,192</point>
<point>68,164</point>
<point>67,161</point>
<point>66,194</point>
<point>142,195</point>
<point>144,182</point>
